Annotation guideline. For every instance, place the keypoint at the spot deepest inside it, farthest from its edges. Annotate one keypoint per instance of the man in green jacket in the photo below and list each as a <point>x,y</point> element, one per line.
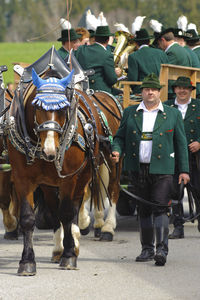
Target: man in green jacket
<point>70,40</point>
<point>177,55</point>
<point>190,110</point>
<point>193,41</point>
<point>145,60</point>
<point>101,60</point>
<point>150,135</point>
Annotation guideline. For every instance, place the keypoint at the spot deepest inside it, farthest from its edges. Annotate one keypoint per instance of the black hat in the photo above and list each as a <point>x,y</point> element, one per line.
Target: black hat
<point>142,35</point>
<point>179,33</point>
<point>69,34</point>
<point>91,31</point>
<point>184,82</point>
<point>158,35</point>
<point>191,35</point>
<point>151,81</point>
<point>103,31</point>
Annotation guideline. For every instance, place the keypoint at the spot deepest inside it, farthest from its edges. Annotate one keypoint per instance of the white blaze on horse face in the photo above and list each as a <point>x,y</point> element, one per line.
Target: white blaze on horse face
<point>49,143</point>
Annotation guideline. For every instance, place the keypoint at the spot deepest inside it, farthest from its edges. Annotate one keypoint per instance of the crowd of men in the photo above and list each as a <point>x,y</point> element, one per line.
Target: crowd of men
<point>160,142</point>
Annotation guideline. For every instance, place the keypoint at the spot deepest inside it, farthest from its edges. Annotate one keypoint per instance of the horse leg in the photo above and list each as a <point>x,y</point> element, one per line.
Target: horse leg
<point>71,246</point>
<point>10,224</point>
<point>107,231</point>
<point>68,215</point>
<point>27,265</point>
<point>83,215</point>
<point>51,202</point>
<point>98,209</point>
<point>6,204</point>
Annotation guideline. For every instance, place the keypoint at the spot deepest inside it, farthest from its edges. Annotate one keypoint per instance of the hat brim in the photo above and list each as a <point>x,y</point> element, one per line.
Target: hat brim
<point>103,34</point>
<point>151,85</point>
<point>182,85</point>
<point>65,39</point>
<point>142,39</point>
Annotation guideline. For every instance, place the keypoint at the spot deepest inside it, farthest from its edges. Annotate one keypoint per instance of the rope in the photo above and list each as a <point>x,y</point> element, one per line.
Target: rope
<point>140,199</point>
<point>56,27</point>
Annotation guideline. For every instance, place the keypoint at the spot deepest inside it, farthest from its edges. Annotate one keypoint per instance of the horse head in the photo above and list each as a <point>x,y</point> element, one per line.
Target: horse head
<point>51,105</point>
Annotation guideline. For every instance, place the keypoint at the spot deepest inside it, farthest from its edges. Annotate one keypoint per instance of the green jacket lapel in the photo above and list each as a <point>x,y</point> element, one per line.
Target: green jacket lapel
<point>190,110</point>
<point>161,117</point>
<point>138,115</point>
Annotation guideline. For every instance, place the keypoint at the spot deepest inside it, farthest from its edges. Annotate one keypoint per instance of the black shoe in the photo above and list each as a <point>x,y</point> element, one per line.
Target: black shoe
<point>146,255</point>
<point>178,233</point>
<point>160,258</point>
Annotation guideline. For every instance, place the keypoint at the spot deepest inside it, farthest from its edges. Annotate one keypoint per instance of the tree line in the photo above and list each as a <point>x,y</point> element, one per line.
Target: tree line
<point>21,20</point>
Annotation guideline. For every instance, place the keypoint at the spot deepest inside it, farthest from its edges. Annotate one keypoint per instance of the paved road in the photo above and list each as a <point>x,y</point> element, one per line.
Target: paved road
<point>107,270</point>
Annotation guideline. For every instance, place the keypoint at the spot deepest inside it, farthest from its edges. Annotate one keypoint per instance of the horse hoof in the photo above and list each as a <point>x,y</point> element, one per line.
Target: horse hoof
<point>85,231</point>
<point>106,236</point>
<point>97,232</point>
<point>69,263</point>
<point>56,257</point>
<point>27,269</point>
<point>12,235</point>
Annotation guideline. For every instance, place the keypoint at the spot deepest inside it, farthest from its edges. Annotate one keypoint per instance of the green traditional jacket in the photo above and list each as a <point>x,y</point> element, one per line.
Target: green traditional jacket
<point>168,138</point>
<point>196,50</point>
<point>195,64</point>
<point>191,120</point>
<point>194,57</point>
<point>178,55</point>
<point>102,61</point>
<point>64,54</point>
<point>144,61</point>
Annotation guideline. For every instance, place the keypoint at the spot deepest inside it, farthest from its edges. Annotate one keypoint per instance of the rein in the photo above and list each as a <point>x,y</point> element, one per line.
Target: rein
<point>190,192</point>
<point>147,202</point>
<point>110,111</point>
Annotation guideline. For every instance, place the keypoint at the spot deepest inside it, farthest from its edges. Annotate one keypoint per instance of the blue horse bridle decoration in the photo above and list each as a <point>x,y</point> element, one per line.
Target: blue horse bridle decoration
<point>50,94</point>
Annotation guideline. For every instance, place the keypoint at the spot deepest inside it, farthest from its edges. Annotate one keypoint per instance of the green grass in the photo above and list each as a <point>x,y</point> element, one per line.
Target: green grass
<point>22,52</point>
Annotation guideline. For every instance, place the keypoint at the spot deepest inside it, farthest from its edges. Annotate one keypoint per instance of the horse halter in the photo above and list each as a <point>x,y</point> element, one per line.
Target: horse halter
<point>49,125</point>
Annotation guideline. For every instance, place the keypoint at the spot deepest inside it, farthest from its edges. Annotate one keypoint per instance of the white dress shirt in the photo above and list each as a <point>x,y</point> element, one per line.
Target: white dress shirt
<point>149,118</point>
<point>182,107</point>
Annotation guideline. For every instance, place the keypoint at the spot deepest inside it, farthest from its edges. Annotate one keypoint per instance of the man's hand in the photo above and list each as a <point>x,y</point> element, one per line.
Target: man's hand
<point>194,146</point>
<point>115,156</point>
<point>185,177</point>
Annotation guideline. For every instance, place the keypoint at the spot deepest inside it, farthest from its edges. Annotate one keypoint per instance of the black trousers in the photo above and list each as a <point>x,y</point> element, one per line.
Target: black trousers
<point>155,188</point>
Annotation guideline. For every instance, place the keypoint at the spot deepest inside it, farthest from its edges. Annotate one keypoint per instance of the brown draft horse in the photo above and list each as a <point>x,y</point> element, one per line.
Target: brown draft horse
<point>7,194</point>
<point>55,138</point>
<point>9,211</point>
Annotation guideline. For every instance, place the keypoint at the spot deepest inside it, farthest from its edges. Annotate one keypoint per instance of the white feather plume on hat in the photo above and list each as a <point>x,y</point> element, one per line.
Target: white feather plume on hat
<point>137,24</point>
<point>65,24</point>
<point>102,20</point>
<point>192,26</point>
<point>121,27</point>
<point>155,25</point>
<point>182,23</point>
<point>91,21</point>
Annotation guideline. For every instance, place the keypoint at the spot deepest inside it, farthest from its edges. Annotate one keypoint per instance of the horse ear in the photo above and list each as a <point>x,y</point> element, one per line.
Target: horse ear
<point>37,81</point>
<point>65,81</point>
